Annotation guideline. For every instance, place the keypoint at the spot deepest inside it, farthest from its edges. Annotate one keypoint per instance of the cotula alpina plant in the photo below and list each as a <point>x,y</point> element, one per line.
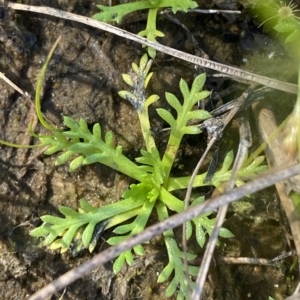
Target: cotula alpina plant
<point>154,185</point>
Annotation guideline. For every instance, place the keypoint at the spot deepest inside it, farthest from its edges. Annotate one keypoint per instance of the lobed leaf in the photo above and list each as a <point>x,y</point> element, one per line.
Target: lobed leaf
<point>71,123</point>
<point>189,230</point>
<point>69,235</point>
<point>40,231</point>
<point>115,240</point>
<point>87,207</point>
<point>97,133</point>
<point>88,233</point>
<point>166,116</point>
<point>64,157</point>
<point>184,88</point>
<point>127,79</point>
<point>53,220</point>
<point>53,149</point>
<point>139,250</point>
<point>93,158</point>
<point>56,245</point>
<point>152,99</point>
<point>143,62</point>
<point>200,235</point>
<point>172,287</point>
<point>225,233</point>
<point>124,228</point>
<point>183,5</point>
<point>146,169</point>
<point>69,212</point>
<point>198,115</point>
<point>50,238</point>
<point>201,96</point>
<point>165,273</point>
<point>198,83</point>
<point>129,257</point>
<point>191,130</point>
<point>227,162</point>
<point>193,270</point>
<point>128,96</point>
<point>109,139</point>
<point>119,263</point>
<point>147,80</point>
<point>136,191</point>
<point>135,68</point>
<point>74,135</point>
<point>76,163</point>
<point>153,194</point>
<point>173,101</point>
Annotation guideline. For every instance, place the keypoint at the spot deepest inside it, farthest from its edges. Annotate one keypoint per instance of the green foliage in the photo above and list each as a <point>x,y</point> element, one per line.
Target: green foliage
<point>79,146</point>
<point>223,175</point>
<point>87,215</point>
<point>116,13</point>
<point>279,16</point>
<point>176,267</point>
<point>204,226</point>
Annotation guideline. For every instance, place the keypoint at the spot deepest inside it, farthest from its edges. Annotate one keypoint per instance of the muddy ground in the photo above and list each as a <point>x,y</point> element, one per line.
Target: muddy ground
<point>82,81</point>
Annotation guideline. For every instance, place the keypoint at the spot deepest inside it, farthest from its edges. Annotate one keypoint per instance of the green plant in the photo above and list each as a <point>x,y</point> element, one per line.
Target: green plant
<point>279,16</point>
<point>116,13</point>
<point>154,182</point>
<point>282,18</point>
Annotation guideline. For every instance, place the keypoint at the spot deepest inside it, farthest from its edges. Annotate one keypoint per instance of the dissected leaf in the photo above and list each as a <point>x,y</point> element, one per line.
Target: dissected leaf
<point>63,158</point>
<point>88,233</point>
<point>225,233</point>
<point>124,228</point>
<point>173,101</point>
<point>69,235</point>
<point>68,212</point>
<point>184,88</point>
<point>40,231</point>
<point>198,115</point>
<point>76,163</point>
<point>191,130</point>
<point>87,207</point>
<point>71,123</point>
<point>165,273</point>
<point>166,116</point>
<point>127,78</point>
<point>139,250</point>
<point>198,83</point>
<point>119,263</point>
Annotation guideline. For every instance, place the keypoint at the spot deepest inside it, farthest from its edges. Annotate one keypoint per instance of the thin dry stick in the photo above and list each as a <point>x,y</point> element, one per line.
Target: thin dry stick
<point>245,143</point>
<point>214,138</point>
<point>277,155</point>
<point>11,83</point>
<point>208,254</point>
<point>264,181</point>
<point>232,71</point>
<point>188,196</point>
<point>215,11</point>
<point>256,261</point>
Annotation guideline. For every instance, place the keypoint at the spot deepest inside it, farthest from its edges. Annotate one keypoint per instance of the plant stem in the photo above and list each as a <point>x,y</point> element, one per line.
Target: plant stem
<point>145,127</point>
